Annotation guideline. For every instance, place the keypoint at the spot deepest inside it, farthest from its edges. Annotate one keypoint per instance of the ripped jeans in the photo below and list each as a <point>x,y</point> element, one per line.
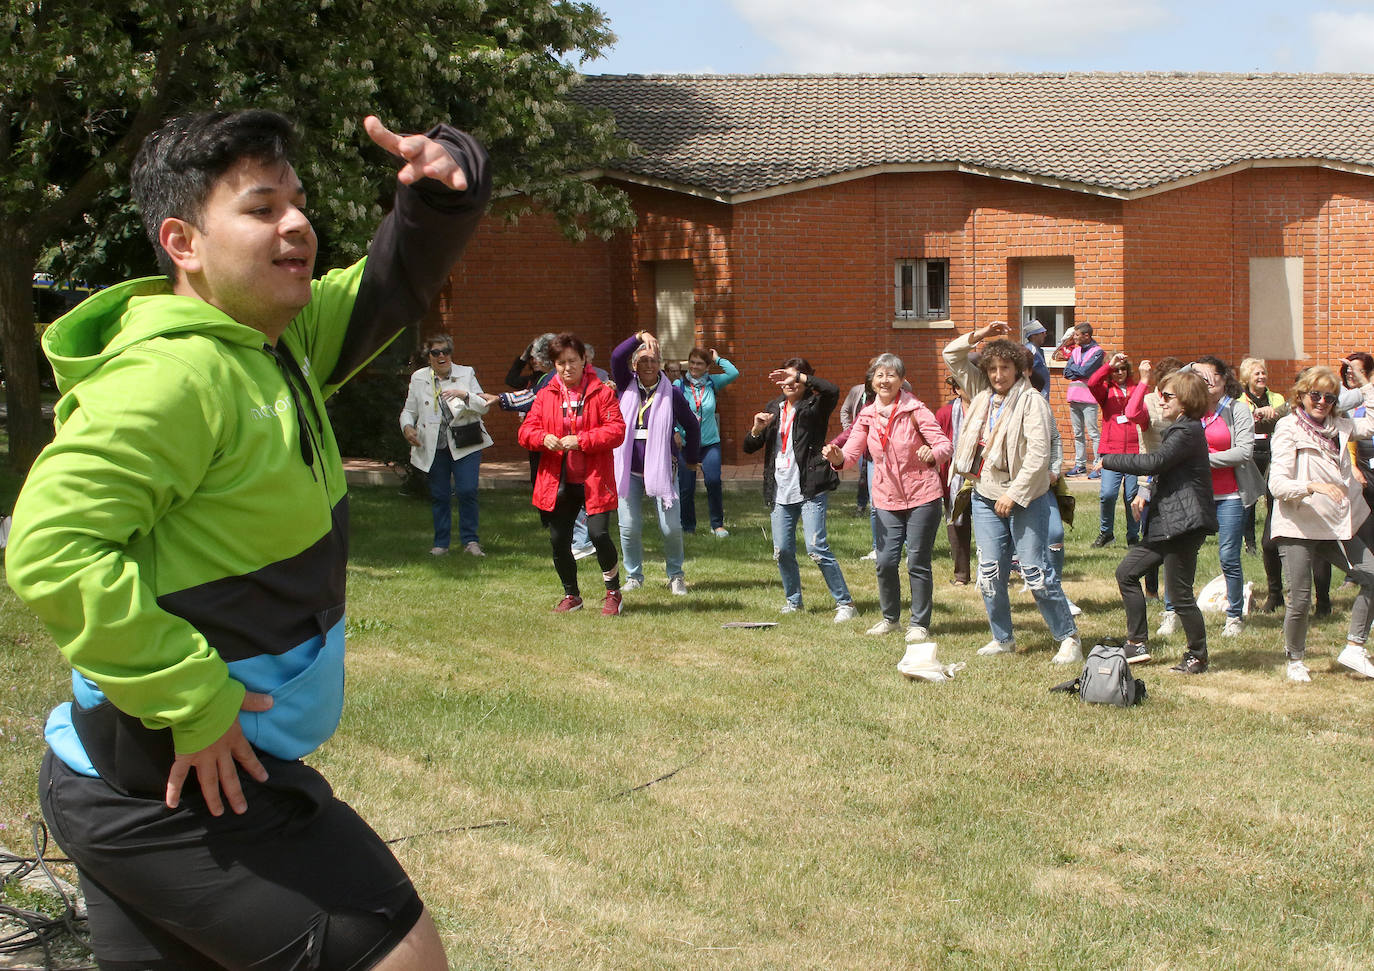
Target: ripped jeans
<point>1025,532</point>
<point>811,512</point>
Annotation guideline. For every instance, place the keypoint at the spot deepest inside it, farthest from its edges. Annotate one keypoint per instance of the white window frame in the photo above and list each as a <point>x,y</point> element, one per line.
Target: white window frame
<point>919,313</point>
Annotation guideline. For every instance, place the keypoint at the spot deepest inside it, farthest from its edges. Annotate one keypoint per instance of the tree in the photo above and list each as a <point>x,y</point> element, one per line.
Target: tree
<point>86,81</point>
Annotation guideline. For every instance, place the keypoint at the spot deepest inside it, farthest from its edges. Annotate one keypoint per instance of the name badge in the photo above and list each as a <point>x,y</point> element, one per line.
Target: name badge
<point>1122,419</point>
<point>641,434</point>
<point>1261,434</point>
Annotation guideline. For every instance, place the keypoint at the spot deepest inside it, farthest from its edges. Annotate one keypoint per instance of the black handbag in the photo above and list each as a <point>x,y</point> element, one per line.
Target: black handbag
<point>467,435</point>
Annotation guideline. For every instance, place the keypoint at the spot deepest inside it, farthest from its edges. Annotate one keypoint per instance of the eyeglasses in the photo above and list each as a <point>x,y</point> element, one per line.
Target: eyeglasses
<point>1167,396</point>
<point>438,352</point>
<point>1321,397</point>
<point>1122,368</point>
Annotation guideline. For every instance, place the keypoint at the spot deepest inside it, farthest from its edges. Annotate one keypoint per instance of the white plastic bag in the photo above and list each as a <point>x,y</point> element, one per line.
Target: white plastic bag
<point>1213,596</point>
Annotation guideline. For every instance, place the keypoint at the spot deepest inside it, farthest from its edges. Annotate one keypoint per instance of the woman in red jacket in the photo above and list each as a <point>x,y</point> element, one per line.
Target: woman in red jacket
<point>1111,385</point>
<point>574,425</point>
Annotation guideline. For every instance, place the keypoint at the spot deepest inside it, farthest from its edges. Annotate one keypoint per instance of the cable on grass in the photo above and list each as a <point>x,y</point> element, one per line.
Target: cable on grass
<point>39,930</point>
<point>497,823</point>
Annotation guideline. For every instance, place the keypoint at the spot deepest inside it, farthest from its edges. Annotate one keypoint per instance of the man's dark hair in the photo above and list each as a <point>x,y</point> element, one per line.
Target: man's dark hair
<point>178,164</point>
<point>1085,329</point>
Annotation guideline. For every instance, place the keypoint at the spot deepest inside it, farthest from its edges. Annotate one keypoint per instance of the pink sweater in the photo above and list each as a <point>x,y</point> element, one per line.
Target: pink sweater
<point>900,479</point>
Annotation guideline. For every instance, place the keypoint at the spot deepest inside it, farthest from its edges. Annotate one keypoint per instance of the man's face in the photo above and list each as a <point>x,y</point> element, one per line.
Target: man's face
<point>1082,338</point>
<point>252,250</point>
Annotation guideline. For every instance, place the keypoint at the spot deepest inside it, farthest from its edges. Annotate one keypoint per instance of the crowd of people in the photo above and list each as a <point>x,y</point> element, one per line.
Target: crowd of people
<point>1188,449</point>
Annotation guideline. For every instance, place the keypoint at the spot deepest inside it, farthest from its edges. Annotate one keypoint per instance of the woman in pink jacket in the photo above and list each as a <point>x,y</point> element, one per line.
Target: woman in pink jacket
<point>906,446</point>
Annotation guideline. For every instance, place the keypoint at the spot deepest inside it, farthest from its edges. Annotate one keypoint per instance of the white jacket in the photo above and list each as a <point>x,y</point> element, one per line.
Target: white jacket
<point>1297,460</point>
<point>422,411</point>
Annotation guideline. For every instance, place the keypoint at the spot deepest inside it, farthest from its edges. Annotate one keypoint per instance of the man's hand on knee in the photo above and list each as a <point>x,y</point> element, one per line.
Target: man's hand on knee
<point>217,764</point>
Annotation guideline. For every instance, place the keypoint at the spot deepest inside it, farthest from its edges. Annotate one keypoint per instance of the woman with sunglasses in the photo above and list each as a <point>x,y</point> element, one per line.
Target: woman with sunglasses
<point>701,387</point>
<point>1320,513</point>
<point>442,421</point>
<point>1111,385</point>
<point>1236,482</point>
<point>1179,514</point>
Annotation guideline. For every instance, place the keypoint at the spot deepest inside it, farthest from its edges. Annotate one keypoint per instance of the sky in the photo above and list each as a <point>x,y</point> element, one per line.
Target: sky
<point>858,36</point>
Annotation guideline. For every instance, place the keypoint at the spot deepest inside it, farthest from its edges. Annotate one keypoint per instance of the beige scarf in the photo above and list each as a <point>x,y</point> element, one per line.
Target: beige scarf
<point>997,448</point>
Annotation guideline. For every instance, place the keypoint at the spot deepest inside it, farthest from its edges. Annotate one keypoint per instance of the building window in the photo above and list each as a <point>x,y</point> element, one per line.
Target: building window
<point>921,289</point>
<point>1047,295</point>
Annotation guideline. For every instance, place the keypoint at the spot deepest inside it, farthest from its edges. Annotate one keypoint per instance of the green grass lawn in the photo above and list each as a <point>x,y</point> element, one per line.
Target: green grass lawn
<point>813,808</point>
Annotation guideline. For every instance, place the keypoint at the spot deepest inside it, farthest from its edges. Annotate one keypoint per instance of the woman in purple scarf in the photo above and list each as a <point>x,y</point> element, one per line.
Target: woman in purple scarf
<point>646,462</point>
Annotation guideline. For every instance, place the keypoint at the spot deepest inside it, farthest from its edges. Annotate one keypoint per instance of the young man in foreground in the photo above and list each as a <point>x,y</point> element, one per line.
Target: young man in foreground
<point>184,537</point>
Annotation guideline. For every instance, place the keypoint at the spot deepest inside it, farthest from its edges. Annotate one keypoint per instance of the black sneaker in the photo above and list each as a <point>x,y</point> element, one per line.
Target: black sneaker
<point>1190,665</point>
<point>1136,653</point>
<point>1322,609</point>
<point>1103,539</point>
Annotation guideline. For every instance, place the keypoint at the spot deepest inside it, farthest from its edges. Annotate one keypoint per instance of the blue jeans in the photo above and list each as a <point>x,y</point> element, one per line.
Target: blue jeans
<point>446,477</point>
<point>1230,538</point>
<point>916,527</point>
<point>632,532</point>
<point>1083,418</point>
<point>1026,532</point>
<point>811,512</point>
<point>1111,486</point>
<point>581,539</point>
<point>687,489</point>
<point>1054,539</point>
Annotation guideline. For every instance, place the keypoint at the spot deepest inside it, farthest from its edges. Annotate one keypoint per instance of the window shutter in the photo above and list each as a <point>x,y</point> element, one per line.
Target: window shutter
<point>1047,283</point>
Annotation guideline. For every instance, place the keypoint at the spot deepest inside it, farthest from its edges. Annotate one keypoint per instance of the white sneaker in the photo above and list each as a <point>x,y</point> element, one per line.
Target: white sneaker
<point>1074,609</point>
<point>631,584</point>
<point>1168,624</point>
<point>677,586</point>
<point>1234,625</point>
<point>845,612</point>
<point>916,634</point>
<point>992,648</point>
<point>789,607</point>
<point>871,555</point>
<point>1356,658</point>
<point>473,549</point>
<point>582,552</point>
<point>1070,651</point>
<point>438,551</point>
<point>1297,671</point>
<point>720,532</point>
<point>884,626</point>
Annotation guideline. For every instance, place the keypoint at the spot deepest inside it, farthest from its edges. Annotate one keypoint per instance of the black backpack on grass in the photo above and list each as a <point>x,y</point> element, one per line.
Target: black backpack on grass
<point>1106,679</point>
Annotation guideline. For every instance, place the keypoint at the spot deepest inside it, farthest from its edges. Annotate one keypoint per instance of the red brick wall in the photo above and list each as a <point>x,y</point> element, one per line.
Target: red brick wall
<point>810,273</point>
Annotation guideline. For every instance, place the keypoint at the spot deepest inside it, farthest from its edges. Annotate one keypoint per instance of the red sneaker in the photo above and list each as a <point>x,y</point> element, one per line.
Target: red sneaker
<point>568,604</point>
<point>612,605</point>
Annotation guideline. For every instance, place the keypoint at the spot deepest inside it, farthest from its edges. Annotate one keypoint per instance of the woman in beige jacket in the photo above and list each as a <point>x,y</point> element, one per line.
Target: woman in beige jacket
<point>1319,510</point>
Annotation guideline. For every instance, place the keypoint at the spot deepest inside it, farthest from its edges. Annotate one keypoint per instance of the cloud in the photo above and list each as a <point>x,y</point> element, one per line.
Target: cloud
<point>942,35</point>
<point>1343,41</point>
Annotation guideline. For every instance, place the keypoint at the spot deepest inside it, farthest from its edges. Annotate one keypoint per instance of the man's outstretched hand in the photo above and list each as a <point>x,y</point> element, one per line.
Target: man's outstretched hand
<point>424,158</point>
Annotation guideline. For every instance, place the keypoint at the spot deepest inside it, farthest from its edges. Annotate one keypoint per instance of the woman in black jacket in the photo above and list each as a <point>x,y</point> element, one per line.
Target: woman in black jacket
<point>797,481</point>
<point>1179,514</point>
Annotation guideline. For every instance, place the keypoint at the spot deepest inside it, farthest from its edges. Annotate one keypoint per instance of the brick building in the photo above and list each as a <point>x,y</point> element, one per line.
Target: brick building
<point>839,216</point>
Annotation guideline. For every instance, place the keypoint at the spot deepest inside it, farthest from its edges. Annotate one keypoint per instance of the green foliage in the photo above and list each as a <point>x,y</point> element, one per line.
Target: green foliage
<point>84,82</point>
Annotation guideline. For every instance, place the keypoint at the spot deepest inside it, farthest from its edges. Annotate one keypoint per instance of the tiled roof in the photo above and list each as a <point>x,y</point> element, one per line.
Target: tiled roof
<point>1115,134</point>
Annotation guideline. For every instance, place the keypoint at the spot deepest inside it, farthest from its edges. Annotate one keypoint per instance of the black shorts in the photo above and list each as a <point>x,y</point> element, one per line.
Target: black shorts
<point>298,881</point>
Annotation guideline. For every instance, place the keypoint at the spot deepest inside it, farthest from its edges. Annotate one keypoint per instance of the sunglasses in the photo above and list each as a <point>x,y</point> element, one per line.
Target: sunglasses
<point>1321,397</point>
<point>437,352</point>
<point>1167,396</point>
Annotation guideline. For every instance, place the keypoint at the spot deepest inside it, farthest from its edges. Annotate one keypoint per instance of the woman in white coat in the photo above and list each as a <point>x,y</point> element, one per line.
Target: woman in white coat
<point>1319,510</point>
<point>442,421</point>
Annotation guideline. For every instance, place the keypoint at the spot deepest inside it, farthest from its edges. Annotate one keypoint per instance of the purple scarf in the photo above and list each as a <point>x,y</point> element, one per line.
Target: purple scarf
<point>659,480</point>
